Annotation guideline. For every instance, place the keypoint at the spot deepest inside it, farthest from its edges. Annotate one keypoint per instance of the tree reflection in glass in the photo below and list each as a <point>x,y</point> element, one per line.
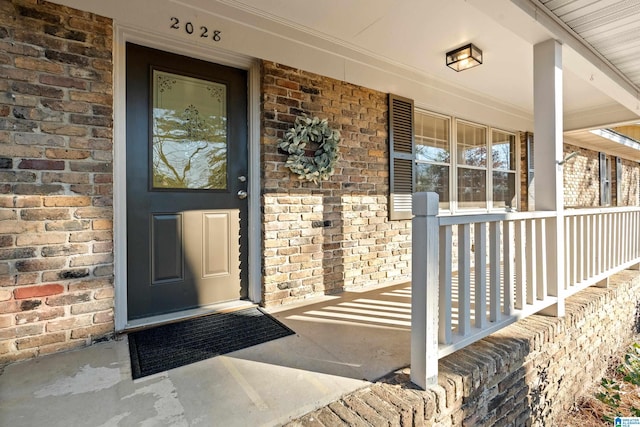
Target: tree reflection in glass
<point>189,133</point>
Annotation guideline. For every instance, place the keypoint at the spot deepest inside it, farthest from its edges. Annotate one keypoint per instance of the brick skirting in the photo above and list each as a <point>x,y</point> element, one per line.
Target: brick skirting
<point>529,373</point>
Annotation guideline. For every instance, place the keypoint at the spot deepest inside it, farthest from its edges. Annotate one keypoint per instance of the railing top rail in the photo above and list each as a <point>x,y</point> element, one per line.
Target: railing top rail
<point>493,217</point>
<point>596,211</point>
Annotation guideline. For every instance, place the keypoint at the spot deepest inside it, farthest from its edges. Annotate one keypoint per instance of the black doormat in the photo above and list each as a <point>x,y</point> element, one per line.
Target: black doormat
<point>176,344</point>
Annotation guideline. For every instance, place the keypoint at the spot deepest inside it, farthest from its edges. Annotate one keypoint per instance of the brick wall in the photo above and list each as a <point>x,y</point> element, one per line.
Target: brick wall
<point>630,185</point>
<point>581,178</point>
<point>335,235</point>
<point>56,247</point>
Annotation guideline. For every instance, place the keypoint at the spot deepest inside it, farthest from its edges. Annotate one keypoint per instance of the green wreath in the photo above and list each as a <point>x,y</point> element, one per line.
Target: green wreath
<point>307,163</point>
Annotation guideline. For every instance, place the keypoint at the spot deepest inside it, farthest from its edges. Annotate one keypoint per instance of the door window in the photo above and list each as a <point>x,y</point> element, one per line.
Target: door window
<point>189,135</point>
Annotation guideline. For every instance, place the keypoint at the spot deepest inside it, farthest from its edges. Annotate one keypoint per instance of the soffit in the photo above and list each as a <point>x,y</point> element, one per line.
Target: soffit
<point>611,27</point>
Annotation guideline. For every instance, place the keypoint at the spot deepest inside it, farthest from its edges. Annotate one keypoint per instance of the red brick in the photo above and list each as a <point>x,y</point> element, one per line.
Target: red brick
<point>62,153</point>
<point>44,214</point>
<point>39,315</point>
<point>38,65</point>
<point>28,201</point>
<point>7,320</point>
<point>27,279</point>
<point>41,164</point>
<point>68,323</point>
<point>103,317</point>
<point>70,201</point>
<point>20,331</point>
<point>93,332</point>
<point>40,264</point>
<point>63,129</point>
<point>92,307</point>
<point>89,284</point>
<point>31,342</point>
<point>63,81</point>
<point>38,291</point>
<point>102,224</point>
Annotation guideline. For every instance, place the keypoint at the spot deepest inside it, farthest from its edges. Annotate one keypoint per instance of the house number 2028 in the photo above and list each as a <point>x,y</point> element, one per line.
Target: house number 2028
<point>200,31</point>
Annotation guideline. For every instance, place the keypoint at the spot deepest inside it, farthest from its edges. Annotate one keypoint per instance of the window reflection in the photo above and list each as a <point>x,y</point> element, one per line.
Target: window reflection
<point>189,133</point>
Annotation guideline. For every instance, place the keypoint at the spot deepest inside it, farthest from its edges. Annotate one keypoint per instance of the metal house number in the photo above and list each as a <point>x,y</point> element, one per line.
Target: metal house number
<point>201,31</point>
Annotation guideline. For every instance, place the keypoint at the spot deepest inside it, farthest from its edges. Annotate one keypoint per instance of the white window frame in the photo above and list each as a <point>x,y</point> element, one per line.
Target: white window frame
<point>453,165</point>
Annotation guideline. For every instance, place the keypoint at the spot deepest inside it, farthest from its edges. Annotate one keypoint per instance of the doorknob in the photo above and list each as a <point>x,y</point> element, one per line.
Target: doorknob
<point>242,194</point>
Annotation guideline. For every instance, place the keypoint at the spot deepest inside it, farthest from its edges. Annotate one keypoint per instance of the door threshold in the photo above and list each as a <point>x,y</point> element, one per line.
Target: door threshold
<point>160,319</point>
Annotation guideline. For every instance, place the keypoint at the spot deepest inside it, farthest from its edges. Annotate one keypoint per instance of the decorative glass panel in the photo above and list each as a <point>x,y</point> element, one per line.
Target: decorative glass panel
<point>504,189</point>
<point>433,178</point>
<point>189,132</point>
<point>472,145</point>
<point>472,188</point>
<point>503,150</point>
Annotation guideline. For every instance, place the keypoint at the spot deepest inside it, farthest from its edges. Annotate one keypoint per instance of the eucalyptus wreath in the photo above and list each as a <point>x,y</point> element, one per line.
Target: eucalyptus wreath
<point>321,138</point>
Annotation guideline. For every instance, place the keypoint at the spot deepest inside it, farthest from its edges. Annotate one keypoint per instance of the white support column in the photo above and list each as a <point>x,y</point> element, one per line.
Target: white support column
<point>424,290</point>
<point>548,127</point>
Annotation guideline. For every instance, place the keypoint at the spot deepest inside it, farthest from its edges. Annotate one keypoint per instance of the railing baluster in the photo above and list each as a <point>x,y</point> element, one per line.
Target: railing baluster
<point>616,240</point>
<point>480,276</point>
<point>509,267</point>
<point>569,251</point>
<point>531,261</point>
<point>445,312</point>
<point>520,263</point>
<point>464,279</point>
<point>594,245</point>
<point>494,263</point>
<point>541,265</point>
<point>598,244</point>
<point>626,230</point>
<point>581,250</point>
<point>609,237</point>
<point>623,228</point>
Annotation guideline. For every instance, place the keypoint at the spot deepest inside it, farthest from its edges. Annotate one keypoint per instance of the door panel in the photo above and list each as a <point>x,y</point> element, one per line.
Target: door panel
<point>167,261</point>
<point>186,149</point>
<point>215,258</point>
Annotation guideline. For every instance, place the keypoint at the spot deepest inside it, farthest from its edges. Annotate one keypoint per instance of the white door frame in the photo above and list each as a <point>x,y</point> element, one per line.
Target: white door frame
<point>122,35</point>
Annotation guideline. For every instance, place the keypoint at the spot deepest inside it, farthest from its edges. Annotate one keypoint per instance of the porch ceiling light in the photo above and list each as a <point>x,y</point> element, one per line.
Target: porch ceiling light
<point>464,57</point>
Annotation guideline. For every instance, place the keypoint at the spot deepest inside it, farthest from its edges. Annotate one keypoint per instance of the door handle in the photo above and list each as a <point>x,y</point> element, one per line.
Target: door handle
<point>242,194</point>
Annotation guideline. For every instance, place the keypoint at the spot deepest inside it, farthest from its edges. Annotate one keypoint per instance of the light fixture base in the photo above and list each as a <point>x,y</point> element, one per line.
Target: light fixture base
<point>464,57</point>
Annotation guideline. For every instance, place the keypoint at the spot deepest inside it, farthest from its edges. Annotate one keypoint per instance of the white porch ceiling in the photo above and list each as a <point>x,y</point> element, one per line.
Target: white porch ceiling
<point>377,43</point>
<point>417,33</point>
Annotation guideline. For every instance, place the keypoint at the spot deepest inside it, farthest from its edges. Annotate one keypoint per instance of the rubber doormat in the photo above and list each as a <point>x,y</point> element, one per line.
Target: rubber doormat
<point>177,344</point>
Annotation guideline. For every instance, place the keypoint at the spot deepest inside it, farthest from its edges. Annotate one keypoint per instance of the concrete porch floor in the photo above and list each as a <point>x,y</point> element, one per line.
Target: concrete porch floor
<point>342,343</point>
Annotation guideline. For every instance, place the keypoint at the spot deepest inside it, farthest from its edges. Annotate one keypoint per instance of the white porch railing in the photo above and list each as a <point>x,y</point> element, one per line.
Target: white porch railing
<point>503,277</point>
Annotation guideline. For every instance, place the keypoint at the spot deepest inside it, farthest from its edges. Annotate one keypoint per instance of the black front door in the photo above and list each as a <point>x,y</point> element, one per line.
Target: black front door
<point>186,182</point>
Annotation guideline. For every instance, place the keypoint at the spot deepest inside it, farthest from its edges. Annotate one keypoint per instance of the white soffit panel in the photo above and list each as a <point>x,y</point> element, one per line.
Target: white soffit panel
<point>611,27</point>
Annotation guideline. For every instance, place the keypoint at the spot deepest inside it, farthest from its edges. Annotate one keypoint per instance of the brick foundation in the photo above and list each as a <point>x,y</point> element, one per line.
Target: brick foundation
<point>528,374</point>
<point>56,257</point>
<point>323,238</point>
